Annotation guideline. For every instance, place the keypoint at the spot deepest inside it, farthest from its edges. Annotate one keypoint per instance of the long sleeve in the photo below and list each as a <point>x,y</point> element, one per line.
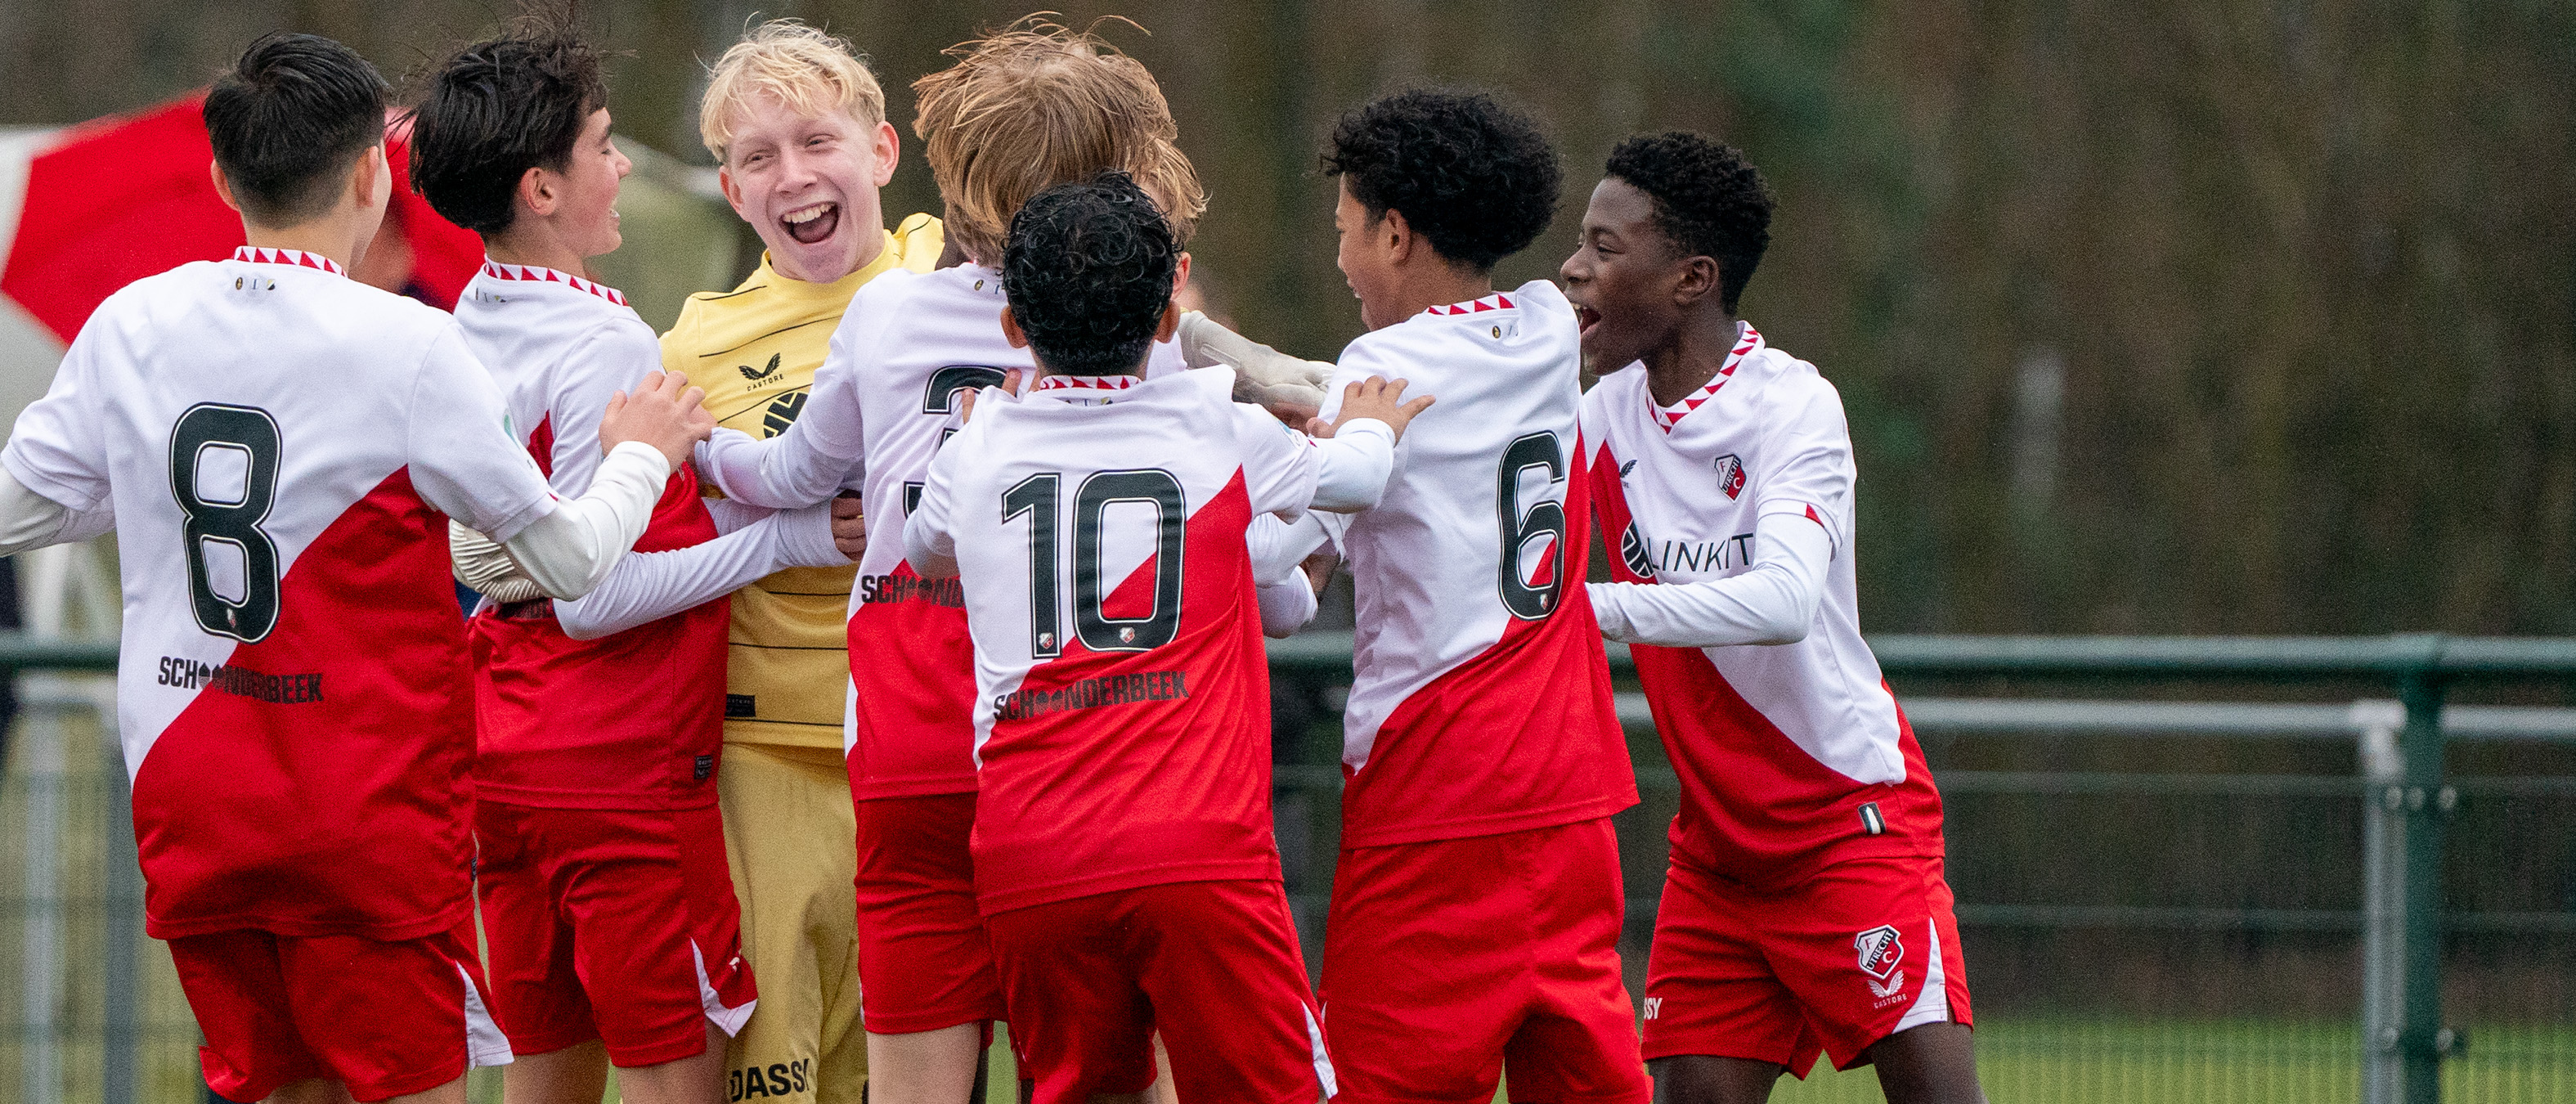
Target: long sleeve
<point>570,551</point>
<point>824,450</point>
<point>29,520</point>
<point>1353,465</point>
<point>1279,550</point>
<point>648,586</point>
<point>1772,603</point>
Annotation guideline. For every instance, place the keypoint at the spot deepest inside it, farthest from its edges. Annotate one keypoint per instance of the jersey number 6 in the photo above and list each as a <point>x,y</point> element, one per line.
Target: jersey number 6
<point>1036,497</point>
<point>223,472</point>
<point>1543,525</point>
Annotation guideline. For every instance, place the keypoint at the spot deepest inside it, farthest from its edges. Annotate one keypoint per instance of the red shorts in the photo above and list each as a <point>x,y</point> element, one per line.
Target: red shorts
<point>385,1019</point>
<point>1213,966</point>
<point>1445,960</point>
<point>611,924</point>
<point>1864,949</point>
<point>924,962</point>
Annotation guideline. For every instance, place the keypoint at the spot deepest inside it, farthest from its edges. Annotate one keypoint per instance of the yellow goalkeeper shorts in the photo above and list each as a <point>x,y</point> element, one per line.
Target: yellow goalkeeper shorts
<point>790,836</point>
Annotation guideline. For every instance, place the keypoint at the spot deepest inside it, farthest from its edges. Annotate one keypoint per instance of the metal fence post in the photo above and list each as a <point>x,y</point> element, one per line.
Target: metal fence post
<point>2422,1040</point>
<point>123,999</point>
<point>41,753</point>
<point>2383,851</point>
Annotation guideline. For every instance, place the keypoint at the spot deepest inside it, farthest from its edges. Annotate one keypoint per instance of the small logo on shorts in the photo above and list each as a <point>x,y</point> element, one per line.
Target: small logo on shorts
<point>706,767</point>
<point>1880,952</point>
<point>1654,1007</point>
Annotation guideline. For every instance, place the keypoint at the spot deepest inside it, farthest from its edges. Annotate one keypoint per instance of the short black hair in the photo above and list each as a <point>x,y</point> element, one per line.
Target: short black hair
<point>1088,270</point>
<point>1709,201</point>
<point>1474,177</point>
<point>287,119</point>
<point>495,110</point>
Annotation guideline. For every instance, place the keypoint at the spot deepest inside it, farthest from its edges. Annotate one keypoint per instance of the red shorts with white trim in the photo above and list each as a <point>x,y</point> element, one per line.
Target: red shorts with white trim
<point>1444,960</point>
<point>1864,949</point>
<point>924,962</point>
<point>611,924</point>
<point>1213,966</point>
<point>385,1019</point>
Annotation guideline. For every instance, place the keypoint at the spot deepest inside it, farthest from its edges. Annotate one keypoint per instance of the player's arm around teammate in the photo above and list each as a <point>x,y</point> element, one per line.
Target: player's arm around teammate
<point>607,908</point>
<point>1846,940</point>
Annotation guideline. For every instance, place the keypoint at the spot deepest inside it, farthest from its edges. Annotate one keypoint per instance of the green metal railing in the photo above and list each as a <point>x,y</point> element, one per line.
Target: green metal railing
<point>2407,803</point>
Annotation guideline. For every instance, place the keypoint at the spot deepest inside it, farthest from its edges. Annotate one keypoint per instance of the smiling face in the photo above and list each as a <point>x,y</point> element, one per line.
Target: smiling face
<point>808,185</point>
<point>1367,258</point>
<point>586,205</point>
<point>1626,279</point>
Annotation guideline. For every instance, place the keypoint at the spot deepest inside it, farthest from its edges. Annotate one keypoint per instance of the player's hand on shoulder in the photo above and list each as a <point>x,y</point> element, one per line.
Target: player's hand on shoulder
<point>663,411</point>
<point>1375,397</point>
<point>849,526</point>
<point>1010,387</point>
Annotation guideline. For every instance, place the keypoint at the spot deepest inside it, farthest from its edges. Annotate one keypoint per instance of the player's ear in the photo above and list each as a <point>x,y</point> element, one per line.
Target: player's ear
<point>536,193</point>
<point>1011,331</point>
<point>1170,323</point>
<point>1395,235</point>
<point>1696,279</point>
<point>223,187</point>
<point>888,149</point>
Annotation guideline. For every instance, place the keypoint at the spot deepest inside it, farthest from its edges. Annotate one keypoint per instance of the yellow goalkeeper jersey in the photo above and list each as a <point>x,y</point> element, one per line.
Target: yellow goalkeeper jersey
<point>754,349</point>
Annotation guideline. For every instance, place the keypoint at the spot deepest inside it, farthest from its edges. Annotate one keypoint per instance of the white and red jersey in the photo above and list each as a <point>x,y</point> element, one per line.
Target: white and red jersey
<point>1790,755</point>
<point>633,720</point>
<point>911,345</point>
<point>1122,708</point>
<point>1480,700</point>
<point>278,443</point>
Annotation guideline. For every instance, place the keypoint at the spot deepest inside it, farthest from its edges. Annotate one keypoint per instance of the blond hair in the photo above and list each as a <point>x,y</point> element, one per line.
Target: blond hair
<point>810,70</point>
<point>1035,105</point>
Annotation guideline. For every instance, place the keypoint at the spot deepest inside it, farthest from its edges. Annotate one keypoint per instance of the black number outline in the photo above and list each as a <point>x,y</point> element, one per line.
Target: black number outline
<point>255,432</point>
<point>1162,489</point>
<point>1536,450</point>
<point>1035,496</point>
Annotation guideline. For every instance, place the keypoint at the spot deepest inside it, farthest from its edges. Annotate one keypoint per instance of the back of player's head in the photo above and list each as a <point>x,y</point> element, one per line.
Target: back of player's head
<point>1088,269</point>
<point>800,65</point>
<point>1036,105</point>
<point>493,111</point>
<point>287,119</point>
<point>1708,199</point>
<point>1474,178</point>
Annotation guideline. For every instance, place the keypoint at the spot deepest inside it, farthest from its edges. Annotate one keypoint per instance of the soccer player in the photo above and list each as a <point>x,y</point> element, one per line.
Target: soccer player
<point>797,125</point>
<point>1028,107</point>
<point>1476,902</point>
<point>1805,907</point>
<point>274,444</point>
<point>608,912</point>
<point>1122,841</point>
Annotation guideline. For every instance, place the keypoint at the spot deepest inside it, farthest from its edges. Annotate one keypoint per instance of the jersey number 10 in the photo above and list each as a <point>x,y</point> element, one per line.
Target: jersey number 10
<point>1036,497</point>
<point>212,439</point>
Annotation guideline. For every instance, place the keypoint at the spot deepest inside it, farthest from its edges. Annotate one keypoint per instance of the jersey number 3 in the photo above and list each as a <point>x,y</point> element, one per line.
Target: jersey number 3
<point>223,472</point>
<point>1036,497</point>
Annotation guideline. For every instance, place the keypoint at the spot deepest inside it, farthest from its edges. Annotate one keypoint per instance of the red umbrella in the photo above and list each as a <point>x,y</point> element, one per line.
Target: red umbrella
<point>113,200</point>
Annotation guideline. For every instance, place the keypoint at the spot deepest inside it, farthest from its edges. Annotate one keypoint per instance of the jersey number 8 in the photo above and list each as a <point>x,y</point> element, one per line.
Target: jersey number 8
<point>223,472</point>
<point>1036,497</point>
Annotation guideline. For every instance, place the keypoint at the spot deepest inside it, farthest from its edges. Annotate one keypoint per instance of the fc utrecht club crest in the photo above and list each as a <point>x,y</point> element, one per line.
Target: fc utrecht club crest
<point>1730,475</point>
<point>1880,953</point>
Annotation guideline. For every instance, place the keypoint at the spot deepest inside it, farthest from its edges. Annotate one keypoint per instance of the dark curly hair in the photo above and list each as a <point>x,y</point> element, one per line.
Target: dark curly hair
<point>1709,201</point>
<point>289,116</point>
<point>1088,269</point>
<point>495,110</point>
<point>1474,177</point>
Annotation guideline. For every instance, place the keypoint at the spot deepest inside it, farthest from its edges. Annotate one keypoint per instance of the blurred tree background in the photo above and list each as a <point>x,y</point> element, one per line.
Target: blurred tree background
<point>2153,316</point>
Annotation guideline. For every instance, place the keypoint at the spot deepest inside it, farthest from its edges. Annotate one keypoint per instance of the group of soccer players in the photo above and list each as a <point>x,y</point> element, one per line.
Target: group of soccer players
<point>976,498</point>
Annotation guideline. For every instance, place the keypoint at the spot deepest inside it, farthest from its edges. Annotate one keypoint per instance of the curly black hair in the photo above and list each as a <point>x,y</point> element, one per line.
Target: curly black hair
<point>1474,177</point>
<point>1088,270</point>
<point>495,110</point>
<point>291,113</point>
<point>1709,201</point>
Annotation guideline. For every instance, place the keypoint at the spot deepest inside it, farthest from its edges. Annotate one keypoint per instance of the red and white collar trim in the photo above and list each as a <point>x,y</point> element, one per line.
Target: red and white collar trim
<point>256,255</point>
<point>1496,301</point>
<point>1094,383</point>
<point>1670,416</point>
<point>540,274</point>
